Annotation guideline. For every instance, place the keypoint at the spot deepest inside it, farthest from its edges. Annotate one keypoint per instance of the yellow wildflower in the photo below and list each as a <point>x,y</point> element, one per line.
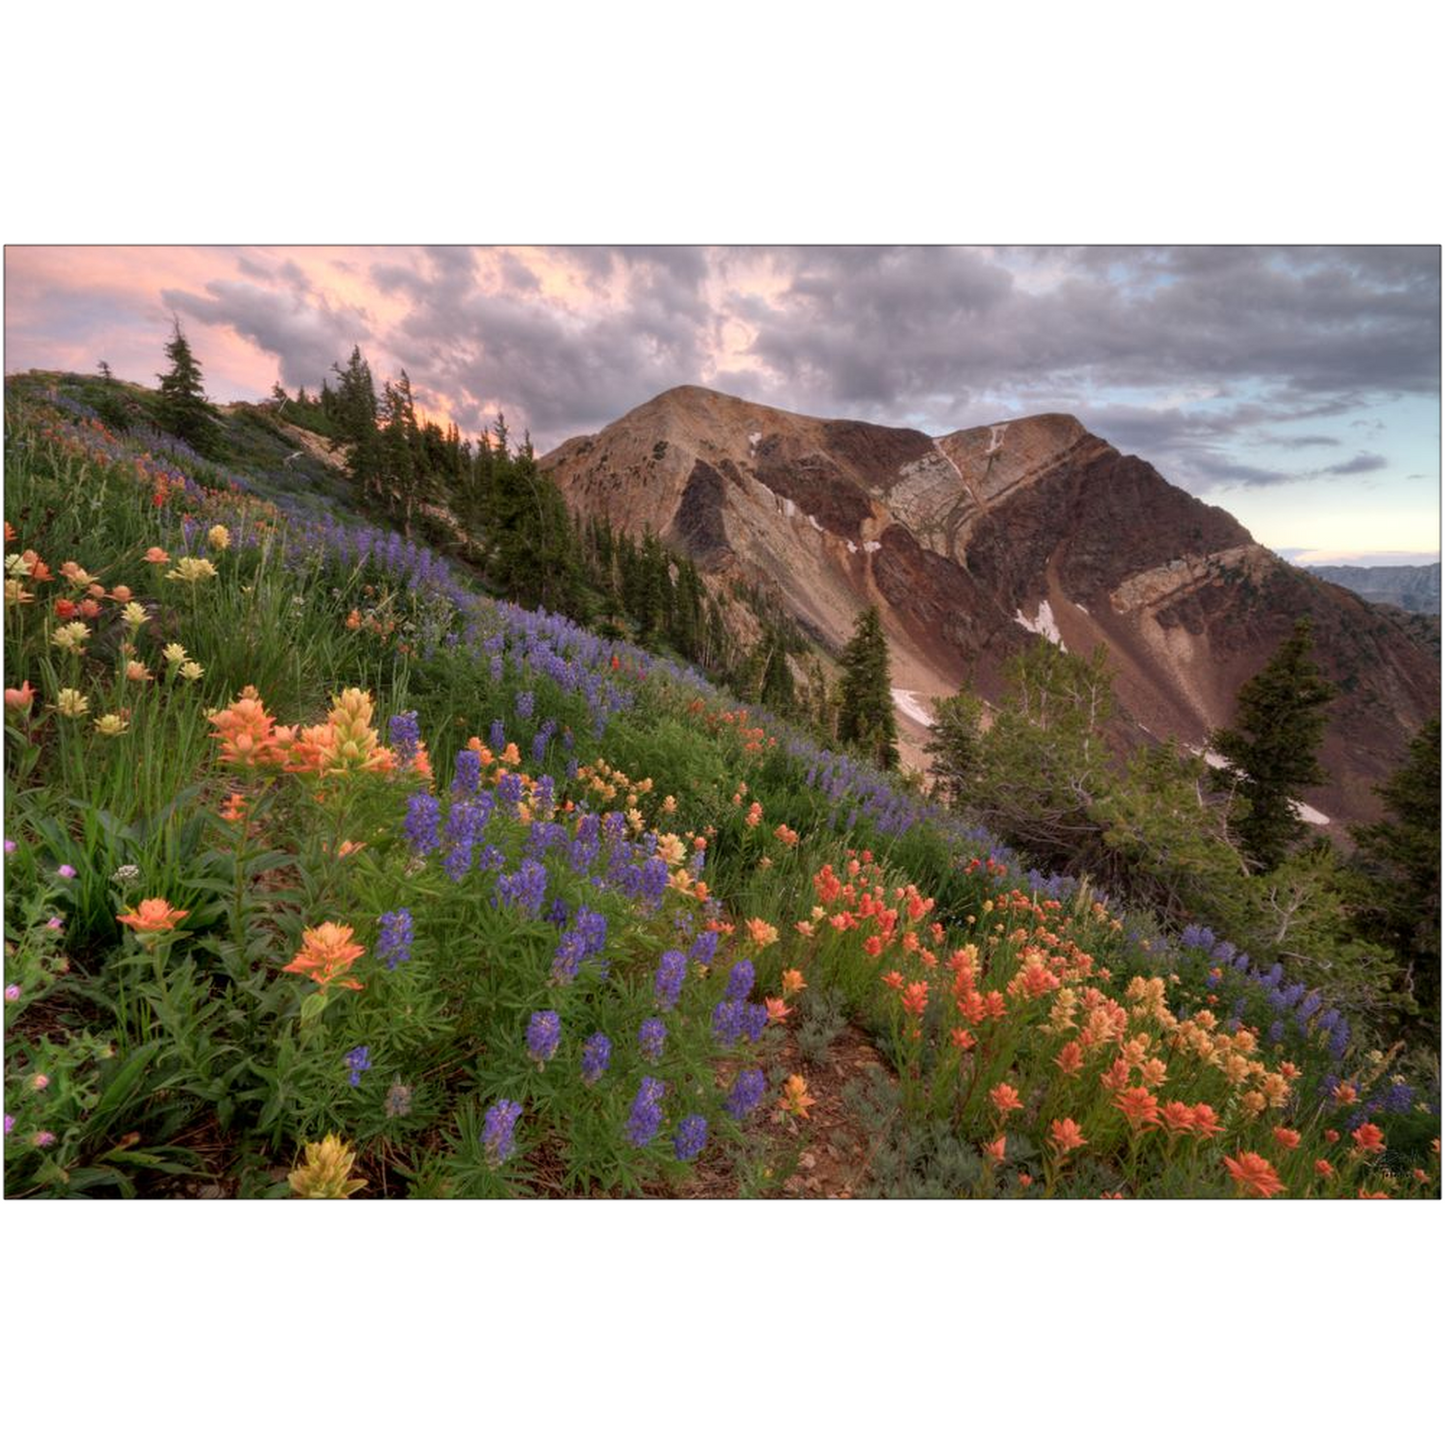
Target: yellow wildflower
<point>70,637</point>
<point>326,1171</point>
<point>192,570</point>
<point>174,654</point>
<point>112,725</point>
<point>192,671</point>
<point>134,614</point>
<point>70,703</point>
<point>219,537</point>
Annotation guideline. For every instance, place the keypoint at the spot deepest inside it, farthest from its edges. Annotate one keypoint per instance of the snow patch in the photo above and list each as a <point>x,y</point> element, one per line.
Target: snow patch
<point>1082,608</point>
<point>995,438</point>
<point>1307,814</point>
<point>852,545</point>
<point>873,546</point>
<point>754,437</point>
<point>1043,623</point>
<point>907,702</point>
<point>817,525</point>
<point>790,508</point>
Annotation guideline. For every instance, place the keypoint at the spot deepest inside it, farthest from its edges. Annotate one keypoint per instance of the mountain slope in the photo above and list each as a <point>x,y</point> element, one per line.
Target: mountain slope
<point>972,541</point>
<point>1416,589</point>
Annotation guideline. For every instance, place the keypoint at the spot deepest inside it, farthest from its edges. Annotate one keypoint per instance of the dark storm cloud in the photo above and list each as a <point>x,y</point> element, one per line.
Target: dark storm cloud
<point>557,370</point>
<point>877,328</point>
<point>293,322</point>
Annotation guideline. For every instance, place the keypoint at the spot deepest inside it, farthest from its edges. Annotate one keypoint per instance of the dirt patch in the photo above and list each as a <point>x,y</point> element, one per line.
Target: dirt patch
<point>825,1156</point>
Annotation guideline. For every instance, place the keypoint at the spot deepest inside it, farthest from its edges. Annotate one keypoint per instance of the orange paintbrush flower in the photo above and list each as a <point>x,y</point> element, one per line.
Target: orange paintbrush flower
<point>1345,1094</point>
<point>246,732</point>
<point>1370,1138</point>
<point>326,955</point>
<point>1065,1135</point>
<point>777,1010</point>
<point>158,556</point>
<point>1070,1058</point>
<point>1255,1174</point>
<point>761,932</point>
<point>1005,1098</point>
<point>1206,1121</point>
<point>152,915</point>
<point>962,1039</point>
<point>915,999</point>
<point>1289,1138</point>
<point>1138,1106</point>
<point>1177,1118</point>
<point>796,1098</point>
<point>1324,1168</point>
<point>793,982</point>
<point>995,1150</point>
<point>1372,1193</point>
<point>235,809</point>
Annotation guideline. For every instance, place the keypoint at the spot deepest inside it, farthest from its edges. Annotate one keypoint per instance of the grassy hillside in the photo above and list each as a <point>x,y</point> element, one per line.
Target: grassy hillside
<point>326,874</point>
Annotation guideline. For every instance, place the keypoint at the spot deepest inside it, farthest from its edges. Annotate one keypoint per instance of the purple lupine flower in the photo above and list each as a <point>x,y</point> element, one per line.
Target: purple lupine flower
<point>668,981</point>
<point>497,1128</point>
<point>704,946</point>
<point>754,1020</point>
<point>544,796</point>
<point>568,957</point>
<point>467,778</point>
<point>523,704</point>
<point>1276,1031</point>
<point>651,1038</point>
<point>423,819</point>
<point>526,888</point>
<point>544,1033</point>
<point>358,1061</point>
<point>497,735</point>
<point>746,1093</point>
<point>740,980</point>
<point>654,881</point>
<point>646,1116</point>
<point>393,944</point>
<point>557,913</point>
<point>691,1138</point>
<point>596,1055</point>
<point>729,1019</point>
<point>593,928</point>
<point>541,738</point>
<point>509,791</point>
<point>490,859</point>
<point>405,737</point>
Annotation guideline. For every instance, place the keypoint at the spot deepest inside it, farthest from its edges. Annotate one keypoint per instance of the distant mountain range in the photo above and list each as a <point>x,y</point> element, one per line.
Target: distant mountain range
<point>1416,589</point>
<point>973,543</point>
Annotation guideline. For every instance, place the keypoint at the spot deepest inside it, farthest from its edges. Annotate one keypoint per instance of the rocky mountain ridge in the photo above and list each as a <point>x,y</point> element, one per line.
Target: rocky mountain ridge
<point>972,541</point>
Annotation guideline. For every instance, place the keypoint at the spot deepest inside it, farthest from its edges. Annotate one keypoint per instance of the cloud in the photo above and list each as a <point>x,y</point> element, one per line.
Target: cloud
<point>300,327</point>
<point>1360,462</point>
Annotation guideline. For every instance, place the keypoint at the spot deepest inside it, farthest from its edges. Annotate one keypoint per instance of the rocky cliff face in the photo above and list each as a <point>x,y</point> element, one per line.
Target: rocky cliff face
<point>970,542</point>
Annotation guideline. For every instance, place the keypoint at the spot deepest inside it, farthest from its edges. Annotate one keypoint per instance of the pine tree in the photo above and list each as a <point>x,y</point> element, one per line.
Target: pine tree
<point>1273,747</point>
<point>1400,856</point>
<point>184,410</point>
<point>954,744</point>
<point>865,711</point>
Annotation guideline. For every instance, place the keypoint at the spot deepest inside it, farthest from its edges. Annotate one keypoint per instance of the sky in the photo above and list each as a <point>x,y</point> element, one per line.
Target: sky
<point>1297,387</point>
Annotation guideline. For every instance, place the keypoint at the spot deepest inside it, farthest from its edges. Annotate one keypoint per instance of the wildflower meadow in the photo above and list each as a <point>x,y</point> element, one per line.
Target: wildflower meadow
<point>327,875</point>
